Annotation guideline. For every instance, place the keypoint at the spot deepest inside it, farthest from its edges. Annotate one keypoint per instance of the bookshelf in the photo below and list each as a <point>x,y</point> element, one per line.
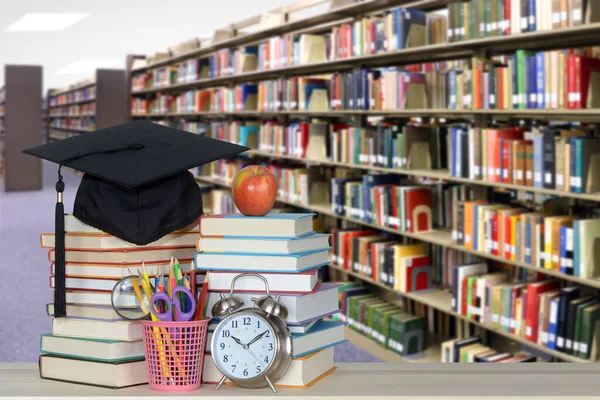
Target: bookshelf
<point>95,103</point>
<point>479,48</point>
<point>20,119</point>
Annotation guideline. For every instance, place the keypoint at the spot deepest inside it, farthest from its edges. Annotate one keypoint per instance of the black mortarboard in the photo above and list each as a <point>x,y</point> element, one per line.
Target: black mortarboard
<point>136,184</point>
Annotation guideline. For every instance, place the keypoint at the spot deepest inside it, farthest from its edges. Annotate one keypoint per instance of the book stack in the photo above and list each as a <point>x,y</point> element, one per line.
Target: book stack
<point>471,349</point>
<point>92,344</point>
<point>284,249</point>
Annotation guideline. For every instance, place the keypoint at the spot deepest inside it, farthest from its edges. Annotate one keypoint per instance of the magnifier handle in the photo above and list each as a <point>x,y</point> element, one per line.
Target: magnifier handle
<point>156,298</point>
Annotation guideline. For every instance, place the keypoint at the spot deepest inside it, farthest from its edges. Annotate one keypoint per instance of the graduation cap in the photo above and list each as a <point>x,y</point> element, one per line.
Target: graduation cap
<point>136,184</point>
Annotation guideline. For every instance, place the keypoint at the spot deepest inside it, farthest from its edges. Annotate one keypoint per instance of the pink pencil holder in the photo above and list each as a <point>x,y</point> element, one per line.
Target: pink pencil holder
<point>175,354</point>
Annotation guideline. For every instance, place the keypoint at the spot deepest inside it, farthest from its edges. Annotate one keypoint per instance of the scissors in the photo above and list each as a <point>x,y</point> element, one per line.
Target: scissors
<point>167,316</point>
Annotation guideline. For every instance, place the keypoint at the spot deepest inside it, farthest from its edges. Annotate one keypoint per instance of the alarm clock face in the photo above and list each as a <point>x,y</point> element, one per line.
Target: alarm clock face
<point>243,346</point>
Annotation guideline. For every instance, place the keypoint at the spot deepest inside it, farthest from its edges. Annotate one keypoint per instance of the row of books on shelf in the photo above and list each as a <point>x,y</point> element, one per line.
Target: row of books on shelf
<point>392,30</point>
<point>472,349</point>
<point>558,156</point>
<point>87,93</point>
<point>77,110</point>
<point>84,123</point>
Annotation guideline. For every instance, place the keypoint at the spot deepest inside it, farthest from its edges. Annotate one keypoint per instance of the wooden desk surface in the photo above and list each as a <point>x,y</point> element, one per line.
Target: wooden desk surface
<point>359,380</point>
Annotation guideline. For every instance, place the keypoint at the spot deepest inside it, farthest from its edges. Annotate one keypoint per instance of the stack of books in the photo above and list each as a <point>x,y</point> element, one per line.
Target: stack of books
<point>284,249</point>
<point>92,344</point>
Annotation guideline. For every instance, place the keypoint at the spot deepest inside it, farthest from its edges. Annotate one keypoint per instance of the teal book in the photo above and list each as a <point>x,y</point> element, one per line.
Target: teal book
<point>264,245</point>
<point>92,349</point>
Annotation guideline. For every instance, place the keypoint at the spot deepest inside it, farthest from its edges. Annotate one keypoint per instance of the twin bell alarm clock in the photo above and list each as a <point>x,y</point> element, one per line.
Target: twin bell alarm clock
<point>251,346</point>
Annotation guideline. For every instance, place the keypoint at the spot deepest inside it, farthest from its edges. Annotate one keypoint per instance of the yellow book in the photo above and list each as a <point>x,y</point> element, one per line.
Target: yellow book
<point>403,251</point>
<point>547,256</point>
<point>517,323</point>
<point>561,80</point>
<point>464,352</point>
<point>514,220</point>
<point>497,305</point>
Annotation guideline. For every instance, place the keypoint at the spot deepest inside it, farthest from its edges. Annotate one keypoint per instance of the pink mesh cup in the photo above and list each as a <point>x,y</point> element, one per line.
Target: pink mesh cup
<point>175,354</point>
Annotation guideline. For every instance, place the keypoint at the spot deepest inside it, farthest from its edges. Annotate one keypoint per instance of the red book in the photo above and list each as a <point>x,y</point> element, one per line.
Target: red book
<point>507,17</point>
<point>584,66</point>
<point>349,41</point>
<point>474,298</point>
<point>500,79</point>
<point>418,210</point>
<point>507,241</point>
<point>465,292</point>
<point>493,151</point>
<point>422,280</point>
<point>395,223</point>
<point>571,89</point>
<point>505,162</point>
<point>347,250</point>
<point>373,35</point>
<point>478,88</point>
<point>534,290</point>
<point>495,251</point>
<point>304,138</point>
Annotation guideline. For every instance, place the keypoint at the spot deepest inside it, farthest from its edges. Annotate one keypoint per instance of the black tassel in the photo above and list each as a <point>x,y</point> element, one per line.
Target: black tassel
<point>60,301</point>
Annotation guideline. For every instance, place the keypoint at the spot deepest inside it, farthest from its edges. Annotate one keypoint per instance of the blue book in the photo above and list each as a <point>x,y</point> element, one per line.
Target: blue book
<point>563,249</point>
<point>265,262</point>
<point>396,17</point>
<point>515,81</point>
<point>527,240</point>
<point>576,252</point>
<point>532,16</point>
<point>338,194</point>
<point>249,135</point>
<point>408,18</point>
<point>453,157</point>
<point>368,182</point>
<point>538,161</point>
<point>553,323</point>
<point>532,89</point>
<point>541,80</point>
<point>309,87</point>
<point>247,91</point>
<point>323,335</point>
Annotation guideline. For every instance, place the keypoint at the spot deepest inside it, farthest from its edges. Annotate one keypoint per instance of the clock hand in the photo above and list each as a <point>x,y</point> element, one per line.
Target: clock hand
<point>257,338</point>
<point>255,357</point>
<point>238,341</point>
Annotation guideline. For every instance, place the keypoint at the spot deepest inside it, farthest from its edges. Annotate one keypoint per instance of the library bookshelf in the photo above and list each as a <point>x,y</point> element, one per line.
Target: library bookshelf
<point>20,119</point>
<point>85,106</point>
<point>583,35</point>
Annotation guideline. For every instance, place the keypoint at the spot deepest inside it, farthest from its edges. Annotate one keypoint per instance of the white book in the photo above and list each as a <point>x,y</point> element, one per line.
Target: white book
<point>262,262</point>
<point>97,298</point>
<point>94,329</point>
<point>281,225</point>
<point>93,241</point>
<point>254,244</point>
<point>73,225</point>
<point>87,311</point>
<point>302,373</point>
<point>111,375</point>
<point>96,349</point>
<point>301,308</point>
<point>303,282</point>
<point>118,271</point>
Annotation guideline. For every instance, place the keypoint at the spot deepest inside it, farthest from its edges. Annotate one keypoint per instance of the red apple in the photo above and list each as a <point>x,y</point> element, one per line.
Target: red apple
<point>254,190</point>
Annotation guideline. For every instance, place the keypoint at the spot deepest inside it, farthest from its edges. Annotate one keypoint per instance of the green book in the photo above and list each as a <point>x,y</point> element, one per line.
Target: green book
<point>488,17</point>
<point>92,349</point>
<point>590,315</point>
<point>373,310</point>
<point>363,313</point>
<point>406,334</point>
<point>578,326</point>
<point>461,21</point>
<point>500,15</point>
<point>353,306</point>
<point>470,281</point>
<point>473,28</point>
<point>383,324</point>
<point>522,77</point>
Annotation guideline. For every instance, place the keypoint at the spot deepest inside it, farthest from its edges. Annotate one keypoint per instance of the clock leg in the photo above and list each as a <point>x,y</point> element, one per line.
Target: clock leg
<point>220,382</point>
<point>270,384</point>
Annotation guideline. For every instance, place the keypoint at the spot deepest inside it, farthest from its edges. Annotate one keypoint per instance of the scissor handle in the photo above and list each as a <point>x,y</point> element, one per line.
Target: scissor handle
<point>184,316</point>
<point>156,298</point>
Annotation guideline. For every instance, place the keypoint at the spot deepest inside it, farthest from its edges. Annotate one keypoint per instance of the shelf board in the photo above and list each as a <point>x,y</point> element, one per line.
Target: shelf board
<point>68,129</point>
<point>442,301</point>
<point>432,174</point>
<point>73,103</point>
<point>440,237</point>
<point>576,36</point>
<point>546,114</point>
<point>60,92</point>
<point>72,116</point>
<point>300,24</point>
<point>432,354</point>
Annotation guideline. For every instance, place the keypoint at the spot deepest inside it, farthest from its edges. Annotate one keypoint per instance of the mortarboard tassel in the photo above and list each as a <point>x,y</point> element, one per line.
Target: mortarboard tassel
<point>60,300</point>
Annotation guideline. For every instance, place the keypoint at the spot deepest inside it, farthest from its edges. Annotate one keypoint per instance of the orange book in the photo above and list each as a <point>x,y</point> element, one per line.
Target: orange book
<point>469,220</point>
<point>493,149</point>
<point>500,88</point>
<point>555,248</point>
<point>504,228</point>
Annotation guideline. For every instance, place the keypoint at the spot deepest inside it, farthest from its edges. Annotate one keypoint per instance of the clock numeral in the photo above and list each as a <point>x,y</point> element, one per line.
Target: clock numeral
<point>226,333</point>
<point>258,369</point>
<point>270,346</point>
<point>267,359</point>
<point>246,372</point>
<point>258,324</point>
<point>268,334</point>
<point>233,368</point>
<point>246,320</point>
<point>225,358</point>
<point>222,345</point>
<point>234,324</point>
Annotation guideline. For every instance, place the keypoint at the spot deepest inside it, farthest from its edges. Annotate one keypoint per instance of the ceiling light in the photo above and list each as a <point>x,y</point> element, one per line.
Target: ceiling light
<point>45,22</point>
<point>88,66</point>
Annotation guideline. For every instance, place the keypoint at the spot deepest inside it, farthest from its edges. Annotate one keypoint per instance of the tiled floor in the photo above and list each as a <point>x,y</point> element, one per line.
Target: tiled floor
<point>25,270</point>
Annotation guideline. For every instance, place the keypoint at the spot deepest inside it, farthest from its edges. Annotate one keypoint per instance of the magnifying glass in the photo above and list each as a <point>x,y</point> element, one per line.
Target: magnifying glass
<point>129,300</point>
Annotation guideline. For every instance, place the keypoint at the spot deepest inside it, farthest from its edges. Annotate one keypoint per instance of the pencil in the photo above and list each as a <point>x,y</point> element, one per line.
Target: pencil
<point>193,282</point>
<point>138,295</point>
<point>202,299</point>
